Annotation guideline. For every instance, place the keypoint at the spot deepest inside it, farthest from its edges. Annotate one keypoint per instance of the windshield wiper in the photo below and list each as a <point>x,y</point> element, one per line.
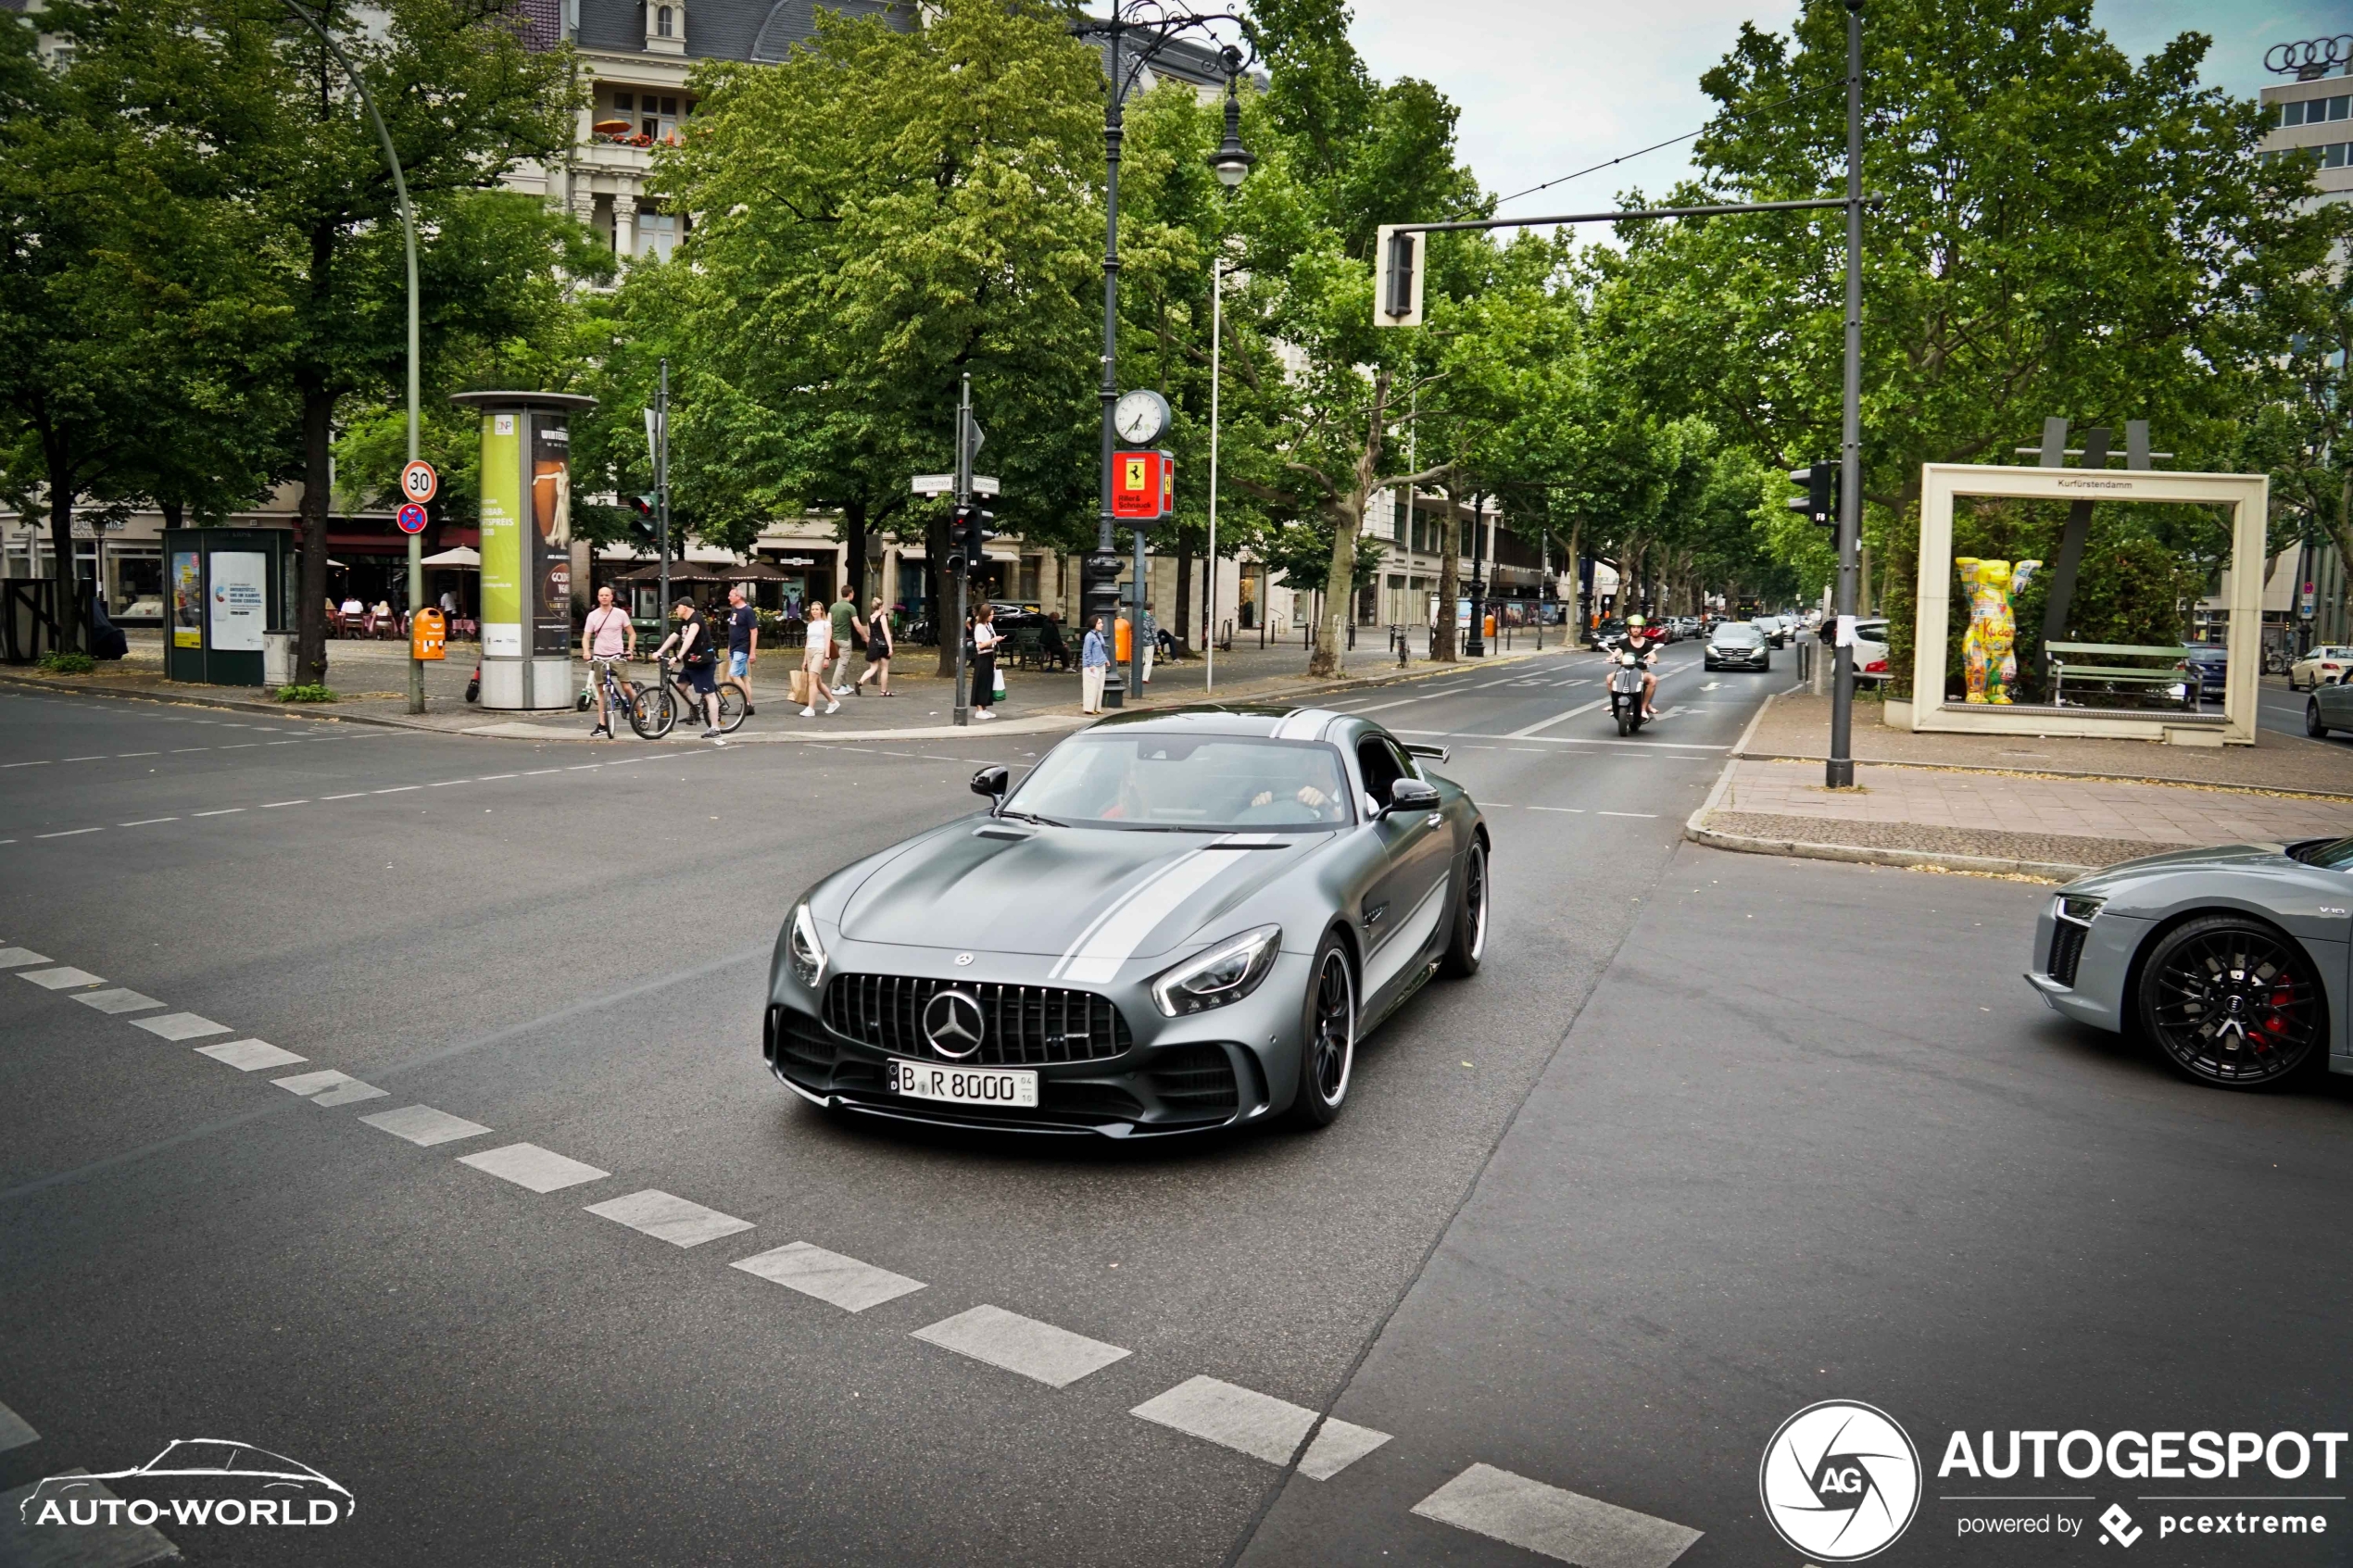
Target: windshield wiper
<point>1031,817</point>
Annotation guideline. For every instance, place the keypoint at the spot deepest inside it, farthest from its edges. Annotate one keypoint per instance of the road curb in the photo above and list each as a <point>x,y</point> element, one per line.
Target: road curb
<point>275,709</point>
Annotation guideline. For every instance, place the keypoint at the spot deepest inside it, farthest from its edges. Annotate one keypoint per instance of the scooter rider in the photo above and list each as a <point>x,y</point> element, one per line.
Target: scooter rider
<point>1645,644</point>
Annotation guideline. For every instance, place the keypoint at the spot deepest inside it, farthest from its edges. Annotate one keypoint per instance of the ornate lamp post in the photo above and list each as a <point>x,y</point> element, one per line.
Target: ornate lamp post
<point>1231,163</point>
<point>1135,33</point>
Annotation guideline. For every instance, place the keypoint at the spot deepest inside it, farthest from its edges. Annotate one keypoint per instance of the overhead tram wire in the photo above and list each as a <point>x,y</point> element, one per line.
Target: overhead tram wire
<point>1611,163</point>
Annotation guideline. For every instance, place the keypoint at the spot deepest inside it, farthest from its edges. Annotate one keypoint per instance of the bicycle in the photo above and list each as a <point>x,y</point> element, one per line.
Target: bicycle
<point>656,711</point>
<point>622,698</point>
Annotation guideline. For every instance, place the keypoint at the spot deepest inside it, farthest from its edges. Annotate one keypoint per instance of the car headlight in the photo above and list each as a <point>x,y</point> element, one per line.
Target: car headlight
<point>808,952</point>
<point>2078,907</point>
<point>1226,973</point>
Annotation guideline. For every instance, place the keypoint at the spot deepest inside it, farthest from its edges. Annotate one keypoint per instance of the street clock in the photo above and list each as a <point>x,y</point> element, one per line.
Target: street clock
<point>1140,418</point>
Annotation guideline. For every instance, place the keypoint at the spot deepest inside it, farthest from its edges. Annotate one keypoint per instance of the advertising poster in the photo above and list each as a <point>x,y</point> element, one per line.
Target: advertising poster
<point>240,602</point>
<point>503,563</point>
<point>551,534</point>
<point>187,599</point>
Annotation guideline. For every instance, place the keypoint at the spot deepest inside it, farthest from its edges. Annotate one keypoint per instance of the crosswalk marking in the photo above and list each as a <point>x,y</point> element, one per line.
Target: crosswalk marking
<point>180,1026</point>
<point>669,1218</point>
<point>15,1431</point>
<point>330,1088</point>
<point>117,998</point>
<point>845,1282</point>
<point>1556,1523</point>
<point>250,1056</point>
<point>424,1126</point>
<point>528,1165</point>
<point>76,1546</point>
<point>17,957</point>
<point>58,979</point>
<point>350,1094</point>
<point>1052,1356</point>
<point>1260,1425</point>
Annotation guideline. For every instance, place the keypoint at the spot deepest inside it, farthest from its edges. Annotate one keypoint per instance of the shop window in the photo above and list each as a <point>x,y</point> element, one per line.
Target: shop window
<point>135,584</point>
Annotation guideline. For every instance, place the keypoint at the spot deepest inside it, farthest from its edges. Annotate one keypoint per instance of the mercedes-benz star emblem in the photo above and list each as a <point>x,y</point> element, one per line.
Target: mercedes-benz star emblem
<point>952,1024</point>
<point>963,959</point>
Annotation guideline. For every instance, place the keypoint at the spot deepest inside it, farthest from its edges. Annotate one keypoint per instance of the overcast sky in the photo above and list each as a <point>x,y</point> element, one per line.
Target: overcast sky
<point>1549,86</point>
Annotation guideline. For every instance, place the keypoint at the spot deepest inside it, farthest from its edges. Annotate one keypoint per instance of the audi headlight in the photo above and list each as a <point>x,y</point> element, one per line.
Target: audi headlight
<point>808,952</point>
<point>2078,907</point>
<point>1226,973</point>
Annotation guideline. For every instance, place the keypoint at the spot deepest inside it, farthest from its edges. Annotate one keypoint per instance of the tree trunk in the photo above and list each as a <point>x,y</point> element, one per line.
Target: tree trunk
<point>1347,512</point>
<point>1180,629</point>
<point>1450,584</point>
<point>1576,581</point>
<point>853,552</point>
<point>71,614</point>
<point>310,655</point>
<point>943,593</point>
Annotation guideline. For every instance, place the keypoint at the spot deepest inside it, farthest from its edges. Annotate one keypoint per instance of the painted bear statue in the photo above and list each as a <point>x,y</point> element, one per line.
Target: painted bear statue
<point>1989,664</point>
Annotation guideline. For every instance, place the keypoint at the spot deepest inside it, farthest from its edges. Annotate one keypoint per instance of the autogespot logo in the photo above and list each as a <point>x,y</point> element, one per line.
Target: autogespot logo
<point>1840,1480</point>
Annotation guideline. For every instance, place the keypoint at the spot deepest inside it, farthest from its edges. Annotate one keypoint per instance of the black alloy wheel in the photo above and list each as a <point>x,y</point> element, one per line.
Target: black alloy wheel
<point>2312,726</point>
<point>2231,1003</point>
<point>1327,1057</point>
<point>1470,944</point>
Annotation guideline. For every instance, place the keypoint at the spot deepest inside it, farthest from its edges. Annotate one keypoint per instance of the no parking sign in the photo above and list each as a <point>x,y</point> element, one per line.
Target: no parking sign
<point>411,517</point>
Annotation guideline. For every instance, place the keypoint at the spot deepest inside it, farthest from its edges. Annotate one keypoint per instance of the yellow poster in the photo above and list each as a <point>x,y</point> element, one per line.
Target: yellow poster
<point>503,551</point>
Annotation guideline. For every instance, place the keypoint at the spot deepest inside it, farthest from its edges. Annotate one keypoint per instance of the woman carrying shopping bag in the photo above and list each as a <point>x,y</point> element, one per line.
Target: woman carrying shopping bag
<point>985,641</point>
<point>815,657</point>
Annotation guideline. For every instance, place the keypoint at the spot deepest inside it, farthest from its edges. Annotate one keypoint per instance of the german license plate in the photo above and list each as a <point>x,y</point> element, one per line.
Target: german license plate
<point>964,1085</point>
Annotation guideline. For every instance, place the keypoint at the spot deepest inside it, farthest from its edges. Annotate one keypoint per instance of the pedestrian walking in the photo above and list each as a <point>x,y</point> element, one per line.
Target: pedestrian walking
<point>698,657</point>
<point>985,641</point>
<point>878,650</point>
<point>605,640</point>
<point>1151,641</point>
<point>743,641</point>
<point>1094,666</point>
<point>845,622</point>
<point>814,657</point>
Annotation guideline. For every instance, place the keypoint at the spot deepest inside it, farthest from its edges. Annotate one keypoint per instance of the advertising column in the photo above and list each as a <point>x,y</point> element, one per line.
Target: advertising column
<point>526,548</point>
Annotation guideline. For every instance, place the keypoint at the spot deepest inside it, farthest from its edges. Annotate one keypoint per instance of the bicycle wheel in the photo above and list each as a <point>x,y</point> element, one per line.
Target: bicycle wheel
<point>733,703</point>
<point>653,711</point>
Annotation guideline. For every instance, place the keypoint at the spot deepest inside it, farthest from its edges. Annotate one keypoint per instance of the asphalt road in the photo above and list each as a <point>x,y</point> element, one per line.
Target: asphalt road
<point>1709,1138</point>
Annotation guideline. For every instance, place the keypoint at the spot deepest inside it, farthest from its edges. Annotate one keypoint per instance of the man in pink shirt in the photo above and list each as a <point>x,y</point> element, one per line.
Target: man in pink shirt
<point>609,636</point>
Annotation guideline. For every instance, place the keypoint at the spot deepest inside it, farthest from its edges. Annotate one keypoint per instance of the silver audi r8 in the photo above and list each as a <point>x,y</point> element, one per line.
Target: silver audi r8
<point>1176,920</point>
<point>2232,960</point>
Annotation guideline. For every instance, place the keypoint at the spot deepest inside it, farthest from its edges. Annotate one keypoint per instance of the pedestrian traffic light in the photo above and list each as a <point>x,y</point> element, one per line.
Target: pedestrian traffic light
<point>974,522</point>
<point>643,522</point>
<point>1823,484</point>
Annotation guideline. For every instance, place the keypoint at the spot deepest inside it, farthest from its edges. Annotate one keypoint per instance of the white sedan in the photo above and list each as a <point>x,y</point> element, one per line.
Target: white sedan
<point>2323,666</point>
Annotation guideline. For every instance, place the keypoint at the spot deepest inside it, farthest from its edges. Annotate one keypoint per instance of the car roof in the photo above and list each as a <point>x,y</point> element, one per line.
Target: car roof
<point>1259,721</point>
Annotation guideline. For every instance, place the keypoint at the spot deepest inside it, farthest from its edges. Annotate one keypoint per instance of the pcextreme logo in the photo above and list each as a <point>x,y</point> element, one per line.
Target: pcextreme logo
<point>193,1481</point>
<point>1840,1481</point>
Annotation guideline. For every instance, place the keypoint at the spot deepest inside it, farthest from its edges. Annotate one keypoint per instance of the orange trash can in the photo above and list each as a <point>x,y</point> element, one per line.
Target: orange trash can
<point>428,636</point>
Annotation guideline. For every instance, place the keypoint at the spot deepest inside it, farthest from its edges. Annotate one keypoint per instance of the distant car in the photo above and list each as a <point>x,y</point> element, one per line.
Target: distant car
<point>1774,629</point>
<point>1736,644</point>
<point>1870,650</point>
<point>1685,625</point>
<point>2321,667</point>
<point>2231,960</point>
<point>1609,631</point>
<point>2211,666</point>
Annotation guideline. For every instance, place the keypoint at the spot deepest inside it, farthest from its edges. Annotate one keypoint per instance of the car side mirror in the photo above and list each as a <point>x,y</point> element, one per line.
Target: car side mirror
<point>992,782</point>
<point>1411,795</point>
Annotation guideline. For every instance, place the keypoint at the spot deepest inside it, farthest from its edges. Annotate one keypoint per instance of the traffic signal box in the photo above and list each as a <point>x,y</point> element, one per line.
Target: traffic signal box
<point>1143,486</point>
<point>1823,482</point>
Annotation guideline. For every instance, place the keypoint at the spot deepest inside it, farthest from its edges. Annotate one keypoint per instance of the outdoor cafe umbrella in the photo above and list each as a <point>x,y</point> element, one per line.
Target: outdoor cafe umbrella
<point>458,556</point>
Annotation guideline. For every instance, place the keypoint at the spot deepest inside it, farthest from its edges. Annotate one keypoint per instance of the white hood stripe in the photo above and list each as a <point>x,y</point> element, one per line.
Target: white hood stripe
<point>1116,934</point>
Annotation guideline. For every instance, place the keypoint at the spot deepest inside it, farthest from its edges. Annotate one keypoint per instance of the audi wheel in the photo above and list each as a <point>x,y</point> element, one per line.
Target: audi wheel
<point>2231,1003</point>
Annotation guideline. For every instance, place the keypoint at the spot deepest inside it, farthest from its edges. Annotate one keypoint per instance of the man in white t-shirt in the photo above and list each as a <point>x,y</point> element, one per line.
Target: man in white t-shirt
<point>609,636</point>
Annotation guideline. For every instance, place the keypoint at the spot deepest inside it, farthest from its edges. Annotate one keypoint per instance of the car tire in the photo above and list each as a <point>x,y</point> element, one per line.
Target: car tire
<point>1328,1037</point>
<point>2312,726</point>
<point>1470,943</point>
<point>2251,976</point>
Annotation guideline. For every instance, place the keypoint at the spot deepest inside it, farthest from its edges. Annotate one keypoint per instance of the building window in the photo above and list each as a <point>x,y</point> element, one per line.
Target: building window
<point>623,102</point>
<point>657,235</point>
<point>658,119</point>
<point>661,21</point>
<point>2316,111</point>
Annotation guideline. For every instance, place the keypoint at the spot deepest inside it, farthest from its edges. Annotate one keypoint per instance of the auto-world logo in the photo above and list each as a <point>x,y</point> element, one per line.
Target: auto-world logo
<point>1840,1480</point>
<point>193,1481</point>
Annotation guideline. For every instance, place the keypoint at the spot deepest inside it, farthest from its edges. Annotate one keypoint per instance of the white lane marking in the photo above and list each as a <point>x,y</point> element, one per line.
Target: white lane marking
<point>1558,1524</point>
<point>1260,1425</point>
<point>250,1056</point>
<point>1531,751</point>
<point>182,750</point>
<point>60,978</point>
<point>537,772</point>
<point>1711,686</point>
<point>179,1026</point>
<point>146,822</point>
<point>17,957</point>
<point>1560,718</point>
<point>445,784</point>
<point>396,789</point>
<point>122,1545</point>
<point>1116,934</point>
<point>98,757</point>
<point>273,805</point>
<point>667,1217</point>
<point>424,1126</point>
<point>308,1083</point>
<point>15,1431</point>
<point>242,746</point>
<point>1579,810</point>
<point>1052,1356</point>
<point>353,796</point>
<point>224,812</point>
<point>1648,815</point>
<point>70,832</point>
<point>528,1165</point>
<point>488,777</point>
<point>1398,702</point>
<point>46,760</point>
<point>120,756</point>
<point>845,1282</point>
<point>119,999</point>
<point>583,767</point>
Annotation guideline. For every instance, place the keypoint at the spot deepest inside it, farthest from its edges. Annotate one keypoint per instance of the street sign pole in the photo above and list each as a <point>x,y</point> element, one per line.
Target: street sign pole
<point>961,713</point>
<point>1838,773</point>
<point>661,488</point>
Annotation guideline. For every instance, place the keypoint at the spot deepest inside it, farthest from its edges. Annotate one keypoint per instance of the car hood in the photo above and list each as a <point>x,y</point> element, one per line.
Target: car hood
<point>1092,895</point>
<point>2221,858</point>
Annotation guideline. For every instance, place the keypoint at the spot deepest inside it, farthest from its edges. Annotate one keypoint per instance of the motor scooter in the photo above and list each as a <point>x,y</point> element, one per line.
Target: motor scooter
<point>1626,689</point>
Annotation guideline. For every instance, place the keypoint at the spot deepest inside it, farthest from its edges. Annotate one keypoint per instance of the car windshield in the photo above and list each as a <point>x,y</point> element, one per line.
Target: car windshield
<point>1144,779</point>
<point>2334,854</point>
<point>1742,636</point>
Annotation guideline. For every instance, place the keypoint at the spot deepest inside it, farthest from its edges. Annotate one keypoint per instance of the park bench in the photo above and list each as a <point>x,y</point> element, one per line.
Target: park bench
<point>2064,667</point>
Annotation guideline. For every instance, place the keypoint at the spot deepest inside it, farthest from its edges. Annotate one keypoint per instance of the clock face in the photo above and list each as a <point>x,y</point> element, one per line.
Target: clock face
<point>1140,417</point>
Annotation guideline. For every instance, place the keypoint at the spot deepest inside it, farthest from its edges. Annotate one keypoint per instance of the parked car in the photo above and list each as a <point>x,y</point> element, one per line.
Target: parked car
<point>2211,665</point>
<point>1737,645</point>
<point>1870,650</point>
<point>2323,666</point>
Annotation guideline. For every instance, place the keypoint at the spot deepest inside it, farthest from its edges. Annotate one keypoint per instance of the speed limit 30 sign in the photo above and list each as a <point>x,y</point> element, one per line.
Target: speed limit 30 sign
<point>419,482</point>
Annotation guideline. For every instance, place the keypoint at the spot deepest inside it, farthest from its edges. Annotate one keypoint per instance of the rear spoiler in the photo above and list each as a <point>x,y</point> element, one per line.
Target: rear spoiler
<point>1435,753</point>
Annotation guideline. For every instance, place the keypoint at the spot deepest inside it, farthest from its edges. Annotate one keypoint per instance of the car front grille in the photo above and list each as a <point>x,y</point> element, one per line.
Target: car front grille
<point>2067,949</point>
<point>1022,1025</point>
<point>1195,1080</point>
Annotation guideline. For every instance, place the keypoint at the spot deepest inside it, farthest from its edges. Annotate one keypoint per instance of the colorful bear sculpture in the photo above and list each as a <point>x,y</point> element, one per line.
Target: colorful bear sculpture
<point>1990,665</point>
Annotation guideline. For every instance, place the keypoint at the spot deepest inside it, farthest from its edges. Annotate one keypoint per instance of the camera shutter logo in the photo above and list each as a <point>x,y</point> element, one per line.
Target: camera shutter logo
<point>952,1024</point>
<point>1840,1481</point>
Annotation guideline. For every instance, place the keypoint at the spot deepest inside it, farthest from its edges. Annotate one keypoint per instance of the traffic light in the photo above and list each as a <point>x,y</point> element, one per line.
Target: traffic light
<point>1823,482</point>
<point>643,524</point>
<point>974,522</point>
<point>1397,290</point>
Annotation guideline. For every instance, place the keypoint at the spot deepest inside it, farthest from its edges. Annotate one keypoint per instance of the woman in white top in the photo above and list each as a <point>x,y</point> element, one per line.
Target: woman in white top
<point>985,641</point>
<point>813,659</point>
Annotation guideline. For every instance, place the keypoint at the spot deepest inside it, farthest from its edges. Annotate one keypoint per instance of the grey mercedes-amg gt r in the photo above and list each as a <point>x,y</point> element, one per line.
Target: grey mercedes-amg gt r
<point>1176,920</point>
<point>2233,960</point>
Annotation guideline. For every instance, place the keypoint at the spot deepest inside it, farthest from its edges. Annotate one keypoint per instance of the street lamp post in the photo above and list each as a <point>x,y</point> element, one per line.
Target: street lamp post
<point>409,238</point>
<point>1231,163</point>
<point>1155,25</point>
